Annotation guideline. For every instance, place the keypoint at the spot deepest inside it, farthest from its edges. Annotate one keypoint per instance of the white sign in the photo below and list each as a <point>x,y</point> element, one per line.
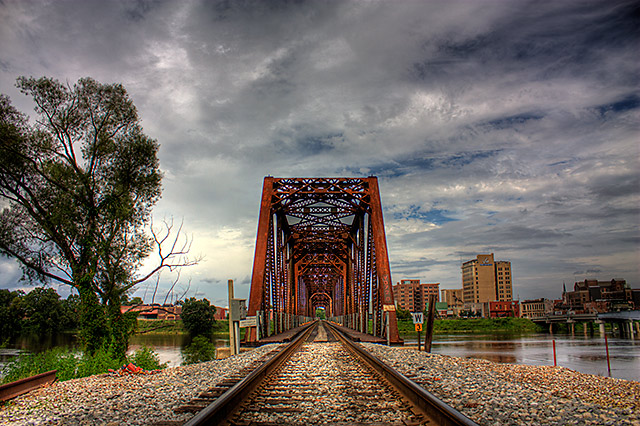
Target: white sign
<point>418,317</point>
<point>248,322</point>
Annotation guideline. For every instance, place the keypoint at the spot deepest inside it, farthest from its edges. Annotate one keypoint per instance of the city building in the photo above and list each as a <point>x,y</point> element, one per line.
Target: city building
<point>536,308</point>
<point>166,312</point>
<point>413,296</point>
<point>486,280</point>
<point>598,296</point>
<point>155,311</point>
<point>502,309</point>
<point>453,298</point>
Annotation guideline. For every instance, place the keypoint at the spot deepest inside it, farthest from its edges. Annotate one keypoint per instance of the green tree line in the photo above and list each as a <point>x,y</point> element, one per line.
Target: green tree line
<point>40,312</point>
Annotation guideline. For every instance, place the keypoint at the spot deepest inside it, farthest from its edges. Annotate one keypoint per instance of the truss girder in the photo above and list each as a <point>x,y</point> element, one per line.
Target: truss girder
<point>321,242</point>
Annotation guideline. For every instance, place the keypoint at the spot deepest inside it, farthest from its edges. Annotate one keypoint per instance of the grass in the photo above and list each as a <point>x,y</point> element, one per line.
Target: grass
<point>476,325</point>
<point>160,327</point>
<point>220,327</point>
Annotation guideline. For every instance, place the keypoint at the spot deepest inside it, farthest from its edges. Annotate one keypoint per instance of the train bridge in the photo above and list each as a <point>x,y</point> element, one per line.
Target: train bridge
<point>321,243</point>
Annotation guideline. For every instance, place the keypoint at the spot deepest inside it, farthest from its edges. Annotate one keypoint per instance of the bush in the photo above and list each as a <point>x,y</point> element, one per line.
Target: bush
<point>200,350</point>
<point>72,364</point>
<point>146,359</point>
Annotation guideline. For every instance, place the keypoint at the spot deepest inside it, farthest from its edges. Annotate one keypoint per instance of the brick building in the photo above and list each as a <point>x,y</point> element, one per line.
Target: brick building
<point>598,296</point>
<point>502,309</point>
<point>412,295</point>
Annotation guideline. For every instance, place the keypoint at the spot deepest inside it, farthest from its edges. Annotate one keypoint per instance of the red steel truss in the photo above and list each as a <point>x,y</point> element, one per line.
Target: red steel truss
<point>321,243</point>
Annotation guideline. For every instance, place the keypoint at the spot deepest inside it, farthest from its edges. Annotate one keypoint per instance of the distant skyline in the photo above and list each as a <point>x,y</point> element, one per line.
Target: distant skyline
<point>505,127</point>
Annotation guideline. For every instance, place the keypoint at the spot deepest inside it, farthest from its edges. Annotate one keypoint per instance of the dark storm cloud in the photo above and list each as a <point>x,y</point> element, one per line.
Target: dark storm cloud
<point>505,127</point>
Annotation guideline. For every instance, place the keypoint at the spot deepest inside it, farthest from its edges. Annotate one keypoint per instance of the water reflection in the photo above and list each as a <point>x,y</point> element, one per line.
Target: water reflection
<point>586,354</point>
<point>496,358</point>
<point>168,346</point>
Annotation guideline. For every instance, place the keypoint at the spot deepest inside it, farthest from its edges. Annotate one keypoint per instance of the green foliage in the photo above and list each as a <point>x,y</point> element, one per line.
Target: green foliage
<point>43,311</point>
<point>402,314</point>
<point>321,313</point>
<point>159,327</point>
<point>38,312</point>
<point>198,316</point>
<point>77,192</point>
<point>72,364</point>
<point>200,350</point>
<point>11,314</point>
<point>147,359</point>
<point>476,325</point>
<point>135,301</point>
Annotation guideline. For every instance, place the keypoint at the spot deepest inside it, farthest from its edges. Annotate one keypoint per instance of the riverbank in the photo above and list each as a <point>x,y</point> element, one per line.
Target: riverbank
<point>489,393</point>
<point>475,325</point>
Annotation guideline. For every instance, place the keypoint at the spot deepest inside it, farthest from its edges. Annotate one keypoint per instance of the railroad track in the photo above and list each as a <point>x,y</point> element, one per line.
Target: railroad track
<point>323,378</point>
<point>19,387</point>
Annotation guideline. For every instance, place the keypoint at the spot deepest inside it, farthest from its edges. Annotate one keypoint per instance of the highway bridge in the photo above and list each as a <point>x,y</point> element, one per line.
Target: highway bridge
<point>627,323</point>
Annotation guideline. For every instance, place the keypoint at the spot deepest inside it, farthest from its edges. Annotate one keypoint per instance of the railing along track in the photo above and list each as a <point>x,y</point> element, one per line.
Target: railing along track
<point>428,407</point>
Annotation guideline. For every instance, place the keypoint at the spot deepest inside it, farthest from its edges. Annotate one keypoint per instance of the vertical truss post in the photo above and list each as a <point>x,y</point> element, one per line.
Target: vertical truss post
<point>257,296</point>
<point>382,259</point>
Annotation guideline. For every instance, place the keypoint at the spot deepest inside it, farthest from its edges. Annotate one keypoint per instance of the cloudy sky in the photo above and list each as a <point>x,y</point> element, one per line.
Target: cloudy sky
<point>505,127</point>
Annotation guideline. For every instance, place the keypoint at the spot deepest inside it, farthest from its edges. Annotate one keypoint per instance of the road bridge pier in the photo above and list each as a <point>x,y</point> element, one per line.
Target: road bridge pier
<point>624,323</point>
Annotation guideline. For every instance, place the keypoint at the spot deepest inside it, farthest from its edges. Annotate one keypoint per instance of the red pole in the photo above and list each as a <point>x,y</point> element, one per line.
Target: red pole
<point>606,345</point>
<point>555,364</point>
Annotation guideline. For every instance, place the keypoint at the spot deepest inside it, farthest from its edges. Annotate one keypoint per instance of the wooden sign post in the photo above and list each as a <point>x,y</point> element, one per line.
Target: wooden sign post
<point>431,316</point>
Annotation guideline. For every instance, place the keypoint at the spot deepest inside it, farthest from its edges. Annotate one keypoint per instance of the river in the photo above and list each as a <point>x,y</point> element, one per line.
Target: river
<point>586,354</point>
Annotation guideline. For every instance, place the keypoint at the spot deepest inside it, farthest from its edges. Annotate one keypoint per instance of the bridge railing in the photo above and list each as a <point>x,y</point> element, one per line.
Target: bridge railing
<point>269,322</point>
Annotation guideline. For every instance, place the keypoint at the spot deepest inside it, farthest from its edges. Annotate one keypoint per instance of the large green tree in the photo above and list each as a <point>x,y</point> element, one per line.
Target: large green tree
<point>77,188</point>
<point>198,316</point>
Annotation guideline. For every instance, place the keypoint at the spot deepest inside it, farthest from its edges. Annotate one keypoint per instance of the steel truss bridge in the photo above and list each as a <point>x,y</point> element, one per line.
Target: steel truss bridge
<point>321,243</point>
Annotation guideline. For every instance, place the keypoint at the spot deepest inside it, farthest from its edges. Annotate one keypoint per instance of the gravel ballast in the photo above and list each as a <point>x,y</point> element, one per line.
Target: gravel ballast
<point>123,400</point>
<point>487,392</point>
<point>508,394</point>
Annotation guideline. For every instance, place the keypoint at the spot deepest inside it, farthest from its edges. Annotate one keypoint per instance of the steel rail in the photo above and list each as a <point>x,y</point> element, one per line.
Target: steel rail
<point>219,410</point>
<point>440,412</point>
<point>13,389</point>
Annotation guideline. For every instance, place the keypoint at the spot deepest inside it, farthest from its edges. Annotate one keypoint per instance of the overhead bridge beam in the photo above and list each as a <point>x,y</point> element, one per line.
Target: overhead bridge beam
<point>322,236</point>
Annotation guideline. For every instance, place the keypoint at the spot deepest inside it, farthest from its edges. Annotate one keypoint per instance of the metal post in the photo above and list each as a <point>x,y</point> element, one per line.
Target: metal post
<point>232,344</point>
<point>236,331</point>
<point>555,364</point>
<point>606,345</point>
<point>375,321</point>
<point>387,328</point>
<point>258,325</point>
